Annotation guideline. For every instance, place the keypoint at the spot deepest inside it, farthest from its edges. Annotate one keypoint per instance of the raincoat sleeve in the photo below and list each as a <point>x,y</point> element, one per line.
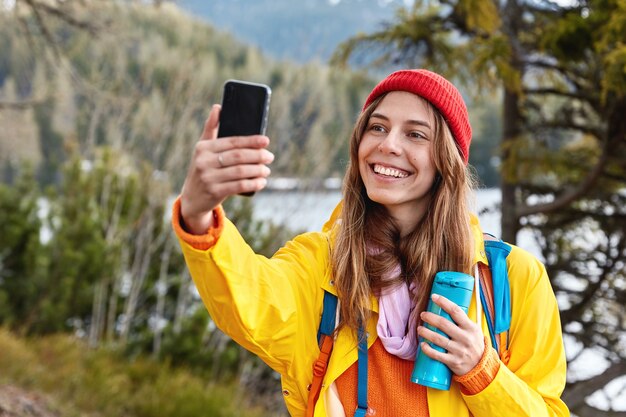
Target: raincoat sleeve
<point>261,303</point>
<point>534,377</point>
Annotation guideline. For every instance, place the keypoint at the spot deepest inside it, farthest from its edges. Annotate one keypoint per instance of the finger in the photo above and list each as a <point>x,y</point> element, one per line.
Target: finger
<point>207,151</point>
<point>432,353</point>
<point>240,186</point>
<point>434,337</point>
<point>244,156</point>
<point>236,173</point>
<point>441,323</point>
<point>238,142</point>
<point>211,123</point>
<point>456,313</point>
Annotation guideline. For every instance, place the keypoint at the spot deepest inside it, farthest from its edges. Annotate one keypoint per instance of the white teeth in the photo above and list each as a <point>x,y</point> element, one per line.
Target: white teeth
<point>390,172</point>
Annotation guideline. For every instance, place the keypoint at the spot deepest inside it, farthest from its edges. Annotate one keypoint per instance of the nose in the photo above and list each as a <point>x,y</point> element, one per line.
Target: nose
<point>390,144</point>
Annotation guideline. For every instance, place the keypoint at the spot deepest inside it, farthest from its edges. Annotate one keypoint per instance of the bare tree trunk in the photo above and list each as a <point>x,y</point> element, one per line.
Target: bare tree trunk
<point>98,313</point>
<point>140,266</point>
<point>99,308</point>
<point>512,122</point>
<point>113,298</point>
<point>94,120</point>
<point>161,289</point>
<point>124,266</point>
<point>217,345</point>
<point>182,302</point>
<point>509,220</point>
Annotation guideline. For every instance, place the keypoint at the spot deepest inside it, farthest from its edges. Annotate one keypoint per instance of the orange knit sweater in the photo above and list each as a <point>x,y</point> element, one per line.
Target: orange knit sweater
<point>390,391</point>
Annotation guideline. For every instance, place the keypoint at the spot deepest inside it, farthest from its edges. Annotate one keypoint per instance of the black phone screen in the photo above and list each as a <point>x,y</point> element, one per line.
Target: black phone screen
<point>244,109</point>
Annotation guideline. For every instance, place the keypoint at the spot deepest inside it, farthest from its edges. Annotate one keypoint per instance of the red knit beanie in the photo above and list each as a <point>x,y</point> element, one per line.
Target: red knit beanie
<point>439,92</point>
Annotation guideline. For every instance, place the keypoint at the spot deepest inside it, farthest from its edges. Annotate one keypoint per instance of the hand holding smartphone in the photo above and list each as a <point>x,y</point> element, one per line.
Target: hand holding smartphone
<point>245,108</point>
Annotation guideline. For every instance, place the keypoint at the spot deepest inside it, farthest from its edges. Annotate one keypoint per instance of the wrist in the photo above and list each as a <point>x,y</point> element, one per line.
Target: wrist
<point>203,241</point>
<point>192,222</point>
<point>198,224</point>
<point>478,378</point>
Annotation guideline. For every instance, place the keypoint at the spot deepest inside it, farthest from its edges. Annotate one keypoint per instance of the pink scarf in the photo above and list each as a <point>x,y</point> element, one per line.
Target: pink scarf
<point>397,327</point>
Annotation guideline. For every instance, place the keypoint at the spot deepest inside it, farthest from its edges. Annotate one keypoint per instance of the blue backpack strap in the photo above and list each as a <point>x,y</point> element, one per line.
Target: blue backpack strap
<point>497,252</point>
<point>486,299</point>
<point>361,409</point>
<point>329,314</point>
<point>325,341</point>
<point>326,328</point>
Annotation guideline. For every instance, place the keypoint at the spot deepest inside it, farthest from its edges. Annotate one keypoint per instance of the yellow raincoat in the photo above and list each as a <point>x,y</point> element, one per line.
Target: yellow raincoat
<point>272,307</point>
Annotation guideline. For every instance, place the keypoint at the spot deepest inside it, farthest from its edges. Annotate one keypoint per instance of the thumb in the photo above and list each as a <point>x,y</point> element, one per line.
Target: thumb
<point>211,123</point>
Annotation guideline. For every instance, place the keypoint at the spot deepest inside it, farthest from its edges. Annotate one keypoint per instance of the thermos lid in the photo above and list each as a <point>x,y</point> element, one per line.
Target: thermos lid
<point>455,279</point>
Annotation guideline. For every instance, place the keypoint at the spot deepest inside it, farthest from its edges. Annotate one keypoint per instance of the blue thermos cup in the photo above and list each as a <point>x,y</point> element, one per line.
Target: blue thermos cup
<point>456,287</point>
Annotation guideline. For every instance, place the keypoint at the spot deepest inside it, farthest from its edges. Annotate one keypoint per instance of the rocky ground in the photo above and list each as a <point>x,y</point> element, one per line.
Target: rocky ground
<point>16,402</point>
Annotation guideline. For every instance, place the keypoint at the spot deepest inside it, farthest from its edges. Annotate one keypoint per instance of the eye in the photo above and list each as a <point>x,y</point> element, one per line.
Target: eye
<point>375,127</point>
<point>417,135</point>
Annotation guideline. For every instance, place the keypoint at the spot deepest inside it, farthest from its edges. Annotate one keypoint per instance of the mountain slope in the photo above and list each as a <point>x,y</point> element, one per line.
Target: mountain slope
<point>298,30</point>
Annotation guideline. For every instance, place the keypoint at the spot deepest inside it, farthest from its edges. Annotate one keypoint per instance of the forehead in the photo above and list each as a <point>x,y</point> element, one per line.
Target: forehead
<point>403,105</point>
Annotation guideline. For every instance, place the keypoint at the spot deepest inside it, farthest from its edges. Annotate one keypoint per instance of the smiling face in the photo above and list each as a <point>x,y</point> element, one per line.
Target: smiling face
<point>396,159</point>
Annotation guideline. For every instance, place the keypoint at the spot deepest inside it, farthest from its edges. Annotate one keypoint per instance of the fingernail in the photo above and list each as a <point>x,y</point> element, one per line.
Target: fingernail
<point>435,297</point>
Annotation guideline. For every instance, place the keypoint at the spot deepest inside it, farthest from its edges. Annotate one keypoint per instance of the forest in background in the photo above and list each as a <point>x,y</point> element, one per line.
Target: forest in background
<point>98,119</point>
<point>145,83</point>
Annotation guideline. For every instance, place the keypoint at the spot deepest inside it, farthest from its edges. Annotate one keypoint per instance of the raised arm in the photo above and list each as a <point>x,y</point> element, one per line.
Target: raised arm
<point>219,169</point>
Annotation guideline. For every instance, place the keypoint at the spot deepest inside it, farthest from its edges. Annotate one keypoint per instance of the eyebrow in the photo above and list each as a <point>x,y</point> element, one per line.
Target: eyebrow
<point>412,122</point>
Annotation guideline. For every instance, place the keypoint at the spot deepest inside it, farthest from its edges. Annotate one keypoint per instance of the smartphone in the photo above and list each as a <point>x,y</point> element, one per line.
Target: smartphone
<point>245,108</point>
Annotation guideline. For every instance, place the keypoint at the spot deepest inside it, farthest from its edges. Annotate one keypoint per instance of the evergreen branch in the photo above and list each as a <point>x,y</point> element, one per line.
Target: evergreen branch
<point>578,391</point>
<point>587,296</point>
<point>62,15</point>
<point>557,92</point>
<point>569,73</point>
<point>567,197</point>
<point>49,38</point>
<point>19,105</point>
<point>598,215</point>
<point>551,7</point>
<point>585,410</point>
<point>564,124</point>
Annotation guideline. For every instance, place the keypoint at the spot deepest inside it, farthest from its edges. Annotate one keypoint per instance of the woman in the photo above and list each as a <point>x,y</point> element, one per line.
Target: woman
<point>403,218</point>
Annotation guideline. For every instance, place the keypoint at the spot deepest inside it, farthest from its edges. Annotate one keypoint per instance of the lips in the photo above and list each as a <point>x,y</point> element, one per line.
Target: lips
<point>389,171</point>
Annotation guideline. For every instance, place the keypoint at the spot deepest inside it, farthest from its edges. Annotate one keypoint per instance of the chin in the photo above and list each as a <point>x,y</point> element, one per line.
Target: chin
<point>381,197</point>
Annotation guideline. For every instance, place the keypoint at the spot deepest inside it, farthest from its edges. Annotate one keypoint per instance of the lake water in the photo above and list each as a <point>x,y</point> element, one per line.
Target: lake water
<point>308,210</point>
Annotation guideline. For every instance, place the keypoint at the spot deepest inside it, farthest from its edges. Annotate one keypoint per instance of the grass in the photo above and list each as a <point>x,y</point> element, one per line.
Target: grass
<point>84,382</point>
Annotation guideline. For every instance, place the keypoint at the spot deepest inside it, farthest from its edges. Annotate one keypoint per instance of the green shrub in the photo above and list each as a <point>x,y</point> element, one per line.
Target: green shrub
<point>102,382</point>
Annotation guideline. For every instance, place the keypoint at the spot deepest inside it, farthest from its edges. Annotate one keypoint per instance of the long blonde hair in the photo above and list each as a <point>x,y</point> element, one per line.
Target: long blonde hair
<point>441,241</point>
